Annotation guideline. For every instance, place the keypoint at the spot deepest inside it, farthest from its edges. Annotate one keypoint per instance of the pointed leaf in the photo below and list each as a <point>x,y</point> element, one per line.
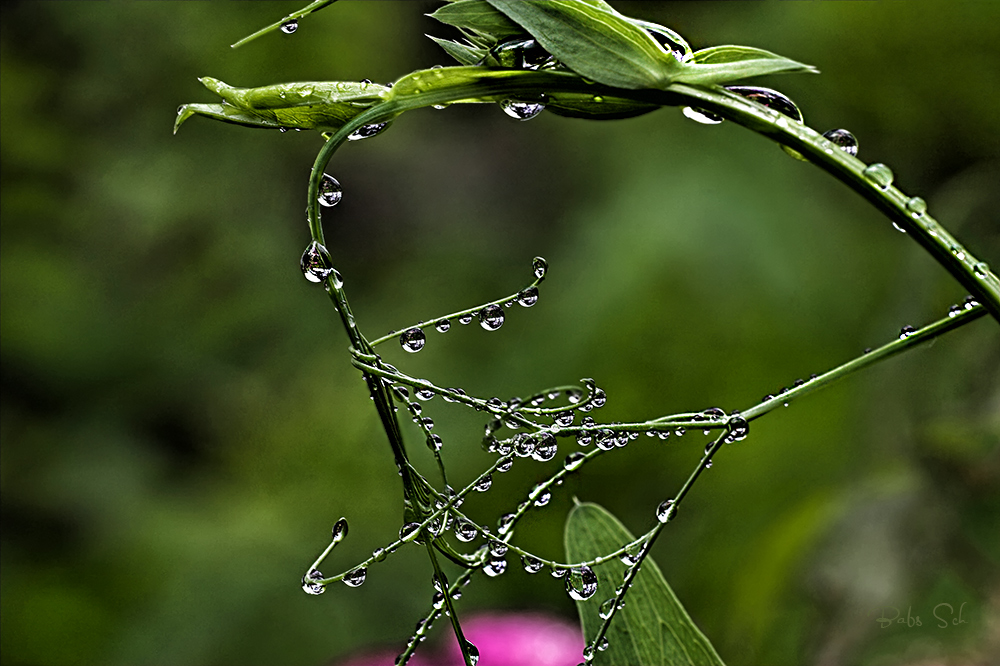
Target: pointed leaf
<point>653,628</point>
<point>466,55</point>
<point>721,64</point>
<point>593,42</point>
<point>478,16</point>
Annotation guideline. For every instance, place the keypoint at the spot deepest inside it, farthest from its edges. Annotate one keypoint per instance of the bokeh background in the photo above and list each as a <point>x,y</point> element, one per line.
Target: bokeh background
<point>181,424</point>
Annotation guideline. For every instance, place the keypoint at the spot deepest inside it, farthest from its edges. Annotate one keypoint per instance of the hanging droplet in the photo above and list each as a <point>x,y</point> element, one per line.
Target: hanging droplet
<point>524,445</point>
<point>581,583</point>
<point>606,608</point>
<point>666,511</point>
<point>879,175</point>
<point>356,577</point>
<point>701,115</point>
<point>497,548</point>
<point>465,319</point>
<point>505,522</point>
<point>546,448</point>
<point>564,419</point>
<point>906,332</point>
<point>288,27</point>
<point>558,572</point>
<point>981,269</point>
<point>543,498</point>
<point>435,442</point>
<point>330,192</point>
<point>739,428</point>
<point>412,340</point>
<point>424,394</point>
<point>584,438</point>
<point>491,317</point>
<point>408,530</point>
<point>521,110</point>
<point>573,461</point>
<point>339,530</point>
<point>528,297</point>
<point>473,652</point>
<point>367,131</point>
<point>442,326</point>
<point>531,564</point>
<point>465,531</point>
<point>495,567</point>
<point>631,556</point>
<point>316,263</point>
<point>605,440</point>
<point>954,310</point>
<point>505,465</point>
<point>843,140</point>
<point>483,484</point>
<point>599,398</point>
<point>772,99</point>
<point>309,584</point>
<point>916,206</point>
<point>539,267</point>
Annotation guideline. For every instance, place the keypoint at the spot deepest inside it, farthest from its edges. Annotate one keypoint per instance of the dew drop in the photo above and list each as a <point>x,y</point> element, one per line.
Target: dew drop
<point>339,530</point>
<point>483,484</point>
<point>367,131</point>
<point>330,192</point>
<point>288,27</point>
<point>473,652</point>
<point>545,449</point>
<point>581,583</point>
<point>666,511</point>
<point>631,556</point>
<point>309,584</point>
<point>558,572</point>
<point>981,269</point>
<point>442,326</point>
<point>916,206</point>
<point>605,440</point>
<point>521,110</point>
<point>606,608</point>
<point>603,645</point>
<point>413,340</point>
<point>970,302</point>
<point>505,522</point>
<point>465,319</point>
<point>906,332</point>
<point>505,465</point>
<point>356,577</point>
<point>599,398</point>
<point>424,394</point>
<point>573,461</point>
<point>491,317</point>
<point>408,530</point>
<point>495,567</point>
<point>878,175</point>
<point>528,297</point>
<point>465,531</point>
<point>543,498</point>
<point>772,99</point>
<point>739,428</point>
<point>497,548</point>
<point>843,140</point>
<point>954,310</point>
<point>524,445</point>
<point>701,115</point>
<point>539,267</point>
<point>531,565</point>
<point>316,263</point>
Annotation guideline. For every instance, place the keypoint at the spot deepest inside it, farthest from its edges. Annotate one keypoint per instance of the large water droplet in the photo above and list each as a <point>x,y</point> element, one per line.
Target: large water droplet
<point>473,652</point>
<point>309,584</point>
<point>878,175</point>
<point>546,448</point>
<point>581,583</point>
<point>413,340</point>
<point>539,267</point>
<point>599,398</point>
<point>524,445</point>
<point>531,564</point>
<point>603,645</point>
<point>521,110</point>
<point>424,394</point>
<point>442,326</point>
<point>573,461</point>
<point>495,567</point>
<point>316,263</point>
<point>772,99</point>
<point>339,530</point>
<point>491,317</point>
<point>497,548</point>
<point>843,140</point>
<point>288,27</point>
<point>605,440</point>
<point>330,192</point>
<point>356,577</point>
<point>701,115</point>
<point>543,498</point>
<point>916,206</point>
<point>367,131</point>
<point>528,297</point>
<point>739,428</point>
<point>666,511</point>
<point>465,531</point>
<point>483,484</point>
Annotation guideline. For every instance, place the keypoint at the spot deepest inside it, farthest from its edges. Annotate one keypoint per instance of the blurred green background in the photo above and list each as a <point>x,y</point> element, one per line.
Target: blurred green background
<point>181,424</point>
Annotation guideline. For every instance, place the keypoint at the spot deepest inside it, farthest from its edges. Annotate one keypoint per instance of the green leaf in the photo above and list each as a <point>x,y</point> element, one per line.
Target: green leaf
<point>595,43</point>
<point>653,628</point>
<point>721,64</point>
<point>591,107</point>
<point>478,16</point>
<point>319,105</point>
<point>466,55</point>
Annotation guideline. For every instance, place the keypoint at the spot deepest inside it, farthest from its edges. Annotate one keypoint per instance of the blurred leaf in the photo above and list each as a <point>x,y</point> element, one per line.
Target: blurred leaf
<point>595,43</point>
<point>653,628</point>
<point>719,64</point>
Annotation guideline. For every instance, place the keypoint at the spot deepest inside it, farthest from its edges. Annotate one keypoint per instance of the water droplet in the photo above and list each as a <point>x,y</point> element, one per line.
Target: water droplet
<point>465,531</point>
<point>539,267</point>
<point>605,440</point>
<point>505,465</point>
<point>558,572</point>
<point>714,413</point>
<point>413,340</point>
<point>528,297</point>
<point>599,398</point>
<point>970,302</point>
<point>524,445</point>
<point>843,140</point>
<point>442,326</point>
<point>584,438</point>
<point>573,461</point>
<point>495,567</point>
<point>316,263</point>
<point>408,530</point>
<point>367,131</point>
<point>666,511</point>
<point>339,530</point>
<point>543,498</point>
<point>879,175</point>
<point>545,449</point>
<point>288,27</point>
<point>473,652</point>
<point>424,394</point>
<point>906,332</point>
<point>954,310</point>
<point>521,110</point>
<point>309,584</point>
<point>739,428</point>
<point>497,548</point>
<point>701,115</point>
<point>680,432</point>
<point>465,319</point>
<point>581,583</point>
<point>981,269</point>
<point>916,206</point>
<point>435,442</point>
<point>588,654</point>
<point>531,564</point>
<point>491,317</point>
<point>330,192</point>
<point>606,608</point>
<point>772,99</point>
<point>356,577</point>
<point>505,522</point>
<point>483,484</point>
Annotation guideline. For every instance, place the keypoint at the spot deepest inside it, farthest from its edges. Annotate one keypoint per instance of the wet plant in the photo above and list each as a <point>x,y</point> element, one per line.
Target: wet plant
<point>579,59</point>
